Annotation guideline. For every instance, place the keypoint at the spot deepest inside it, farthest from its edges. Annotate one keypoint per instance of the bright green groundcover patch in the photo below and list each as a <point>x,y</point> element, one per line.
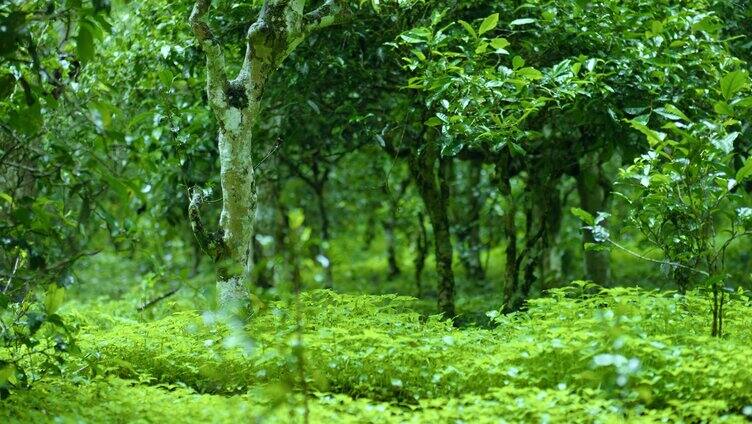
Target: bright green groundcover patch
<point>578,355</point>
<point>120,401</point>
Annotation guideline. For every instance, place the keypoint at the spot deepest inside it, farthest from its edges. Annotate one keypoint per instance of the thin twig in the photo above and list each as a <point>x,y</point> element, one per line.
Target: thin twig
<point>655,261</point>
<point>158,299</point>
<point>13,273</point>
<point>268,155</point>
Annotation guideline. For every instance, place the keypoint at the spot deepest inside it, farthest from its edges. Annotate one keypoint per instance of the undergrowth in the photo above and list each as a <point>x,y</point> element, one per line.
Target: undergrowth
<point>601,355</point>
<point>121,401</point>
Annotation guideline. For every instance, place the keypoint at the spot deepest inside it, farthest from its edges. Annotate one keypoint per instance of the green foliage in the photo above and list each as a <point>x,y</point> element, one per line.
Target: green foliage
<point>34,339</point>
<point>488,118</point>
<point>582,352</point>
<point>685,199</point>
<point>116,400</point>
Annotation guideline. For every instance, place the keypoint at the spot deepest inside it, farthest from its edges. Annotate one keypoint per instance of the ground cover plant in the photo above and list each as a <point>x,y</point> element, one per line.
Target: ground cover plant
<point>401,211</point>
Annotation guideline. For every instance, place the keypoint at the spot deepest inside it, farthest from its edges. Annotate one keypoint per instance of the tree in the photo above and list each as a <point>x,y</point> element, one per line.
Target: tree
<point>279,28</point>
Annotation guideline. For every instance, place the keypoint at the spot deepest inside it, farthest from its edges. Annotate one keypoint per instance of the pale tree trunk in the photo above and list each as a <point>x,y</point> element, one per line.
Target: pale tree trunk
<point>280,27</point>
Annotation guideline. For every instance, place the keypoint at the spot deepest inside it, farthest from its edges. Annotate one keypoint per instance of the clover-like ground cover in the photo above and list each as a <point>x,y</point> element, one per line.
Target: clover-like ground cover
<point>578,355</point>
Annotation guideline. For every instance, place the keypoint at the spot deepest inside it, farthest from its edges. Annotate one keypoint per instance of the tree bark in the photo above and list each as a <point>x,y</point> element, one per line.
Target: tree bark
<point>511,266</point>
<point>537,262</point>
<point>467,212</point>
<point>325,234</point>
<point>547,207</point>
<point>391,245</point>
<point>421,251</point>
<point>593,199</point>
<point>429,172</point>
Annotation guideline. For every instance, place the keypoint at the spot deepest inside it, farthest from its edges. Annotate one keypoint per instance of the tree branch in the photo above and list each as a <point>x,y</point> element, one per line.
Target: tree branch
<point>330,13</point>
<point>158,299</point>
<point>216,75</point>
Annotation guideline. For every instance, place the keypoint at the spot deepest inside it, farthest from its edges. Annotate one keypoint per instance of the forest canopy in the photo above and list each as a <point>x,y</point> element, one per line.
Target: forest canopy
<point>375,211</point>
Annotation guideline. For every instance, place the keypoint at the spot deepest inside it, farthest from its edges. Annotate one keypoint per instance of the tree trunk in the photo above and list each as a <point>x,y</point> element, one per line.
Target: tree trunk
<point>391,244</point>
<point>263,244</point>
<point>280,27</point>
<point>593,200</point>
<point>370,231</point>
<point>421,251</point>
<point>548,212</point>
<point>511,267</point>
<point>393,199</point>
<point>434,190</point>
<point>468,202</point>
<point>238,200</point>
<point>325,244</point>
<point>542,220</point>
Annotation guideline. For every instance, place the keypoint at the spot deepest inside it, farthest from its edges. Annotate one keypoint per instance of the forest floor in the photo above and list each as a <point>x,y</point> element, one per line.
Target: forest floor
<point>578,354</point>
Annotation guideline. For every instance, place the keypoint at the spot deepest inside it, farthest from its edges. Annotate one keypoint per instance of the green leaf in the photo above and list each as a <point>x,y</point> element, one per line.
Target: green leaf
<point>745,171</point>
<point>654,137</point>
<point>733,82</point>
<point>722,108</point>
<point>635,110</point>
<point>499,43</point>
<point>529,73</point>
<point>584,216</point>
<point>673,110</point>
<point>744,103</point>
<point>656,27</point>
<point>433,121</point>
<point>488,24</point>
<point>516,149</point>
<point>28,120</point>
<point>165,77</point>
<point>596,247</point>
<point>518,62</point>
<point>102,114</point>
<point>85,44</point>
<point>482,47</point>
<point>7,83</point>
<point>522,21</point>
<point>468,28</point>
<point>295,218</point>
<point>8,375</point>
<point>726,144</point>
<point>53,299</point>
<point>452,148</point>
<point>417,35</point>
<point>590,64</point>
